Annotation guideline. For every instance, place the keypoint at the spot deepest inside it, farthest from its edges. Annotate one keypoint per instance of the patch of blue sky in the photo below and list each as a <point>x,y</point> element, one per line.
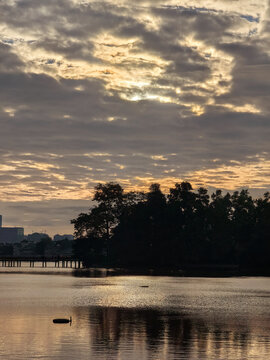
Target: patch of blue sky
<point>191,8</point>
<point>194,9</point>
<point>50,61</point>
<point>251,18</point>
<point>253,32</point>
<point>8,41</point>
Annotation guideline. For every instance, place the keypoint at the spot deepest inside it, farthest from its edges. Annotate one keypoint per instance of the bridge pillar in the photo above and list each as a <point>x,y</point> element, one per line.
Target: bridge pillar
<point>64,262</point>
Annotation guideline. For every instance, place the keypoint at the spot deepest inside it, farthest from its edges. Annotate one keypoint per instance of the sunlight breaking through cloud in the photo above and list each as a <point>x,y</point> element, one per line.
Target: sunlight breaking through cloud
<point>254,175</point>
<point>134,92</point>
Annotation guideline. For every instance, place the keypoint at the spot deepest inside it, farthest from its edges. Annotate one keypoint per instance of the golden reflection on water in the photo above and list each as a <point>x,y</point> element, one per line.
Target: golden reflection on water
<point>169,335</point>
<point>188,319</point>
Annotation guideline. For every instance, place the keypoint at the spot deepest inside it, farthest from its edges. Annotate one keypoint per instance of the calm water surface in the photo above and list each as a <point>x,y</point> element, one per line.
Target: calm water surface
<point>121,318</point>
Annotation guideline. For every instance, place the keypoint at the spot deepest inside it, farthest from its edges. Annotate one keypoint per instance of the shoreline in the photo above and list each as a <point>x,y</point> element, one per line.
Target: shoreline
<point>186,271</point>
<point>196,271</point>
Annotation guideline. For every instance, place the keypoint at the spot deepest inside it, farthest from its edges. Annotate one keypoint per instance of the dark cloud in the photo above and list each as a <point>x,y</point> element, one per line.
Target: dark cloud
<point>105,92</point>
<point>9,62</point>
<point>70,49</point>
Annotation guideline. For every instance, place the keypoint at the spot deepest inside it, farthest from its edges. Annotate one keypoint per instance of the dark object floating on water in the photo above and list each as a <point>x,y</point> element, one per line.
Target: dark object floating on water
<point>62,321</point>
<point>144,286</point>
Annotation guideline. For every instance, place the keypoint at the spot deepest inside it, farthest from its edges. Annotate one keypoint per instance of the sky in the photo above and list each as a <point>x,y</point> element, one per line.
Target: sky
<point>133,92</point>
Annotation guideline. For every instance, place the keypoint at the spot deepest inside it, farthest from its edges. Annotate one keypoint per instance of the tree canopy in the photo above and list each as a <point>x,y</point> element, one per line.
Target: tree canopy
<point>182,227</point>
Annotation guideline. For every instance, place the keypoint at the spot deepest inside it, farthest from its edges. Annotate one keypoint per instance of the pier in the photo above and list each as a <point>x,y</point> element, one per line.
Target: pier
<point>41,261</point>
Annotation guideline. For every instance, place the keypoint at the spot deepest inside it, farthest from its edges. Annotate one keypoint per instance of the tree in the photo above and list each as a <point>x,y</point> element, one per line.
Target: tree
<point>157,239</point>
<point>182,207</point>
<point>43,245</point>
<point>102,218</point>
<point>139,238</point>
<point>110,199</point>
<point>243,224</point>
<point>220,228</point>
<point>185,227</point>
<point>260,246</point>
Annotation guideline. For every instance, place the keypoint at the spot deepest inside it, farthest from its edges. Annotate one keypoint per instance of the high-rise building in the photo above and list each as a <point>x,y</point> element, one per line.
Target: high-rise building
<point>10,235</point>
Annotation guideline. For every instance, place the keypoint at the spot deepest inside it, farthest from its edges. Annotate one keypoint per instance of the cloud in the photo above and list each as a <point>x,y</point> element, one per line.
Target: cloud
<point>130,92</point>
<point>9,61</point>
<point>253,174</point>
<point>33,215</point>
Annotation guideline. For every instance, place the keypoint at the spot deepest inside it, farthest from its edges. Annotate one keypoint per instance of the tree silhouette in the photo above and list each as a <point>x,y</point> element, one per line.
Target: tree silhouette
<point>183,228</point>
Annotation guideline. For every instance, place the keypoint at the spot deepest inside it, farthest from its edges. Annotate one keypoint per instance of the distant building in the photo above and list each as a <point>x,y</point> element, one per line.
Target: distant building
<point>58,237</point>
<point>36,237</point>
<point>10,235</point>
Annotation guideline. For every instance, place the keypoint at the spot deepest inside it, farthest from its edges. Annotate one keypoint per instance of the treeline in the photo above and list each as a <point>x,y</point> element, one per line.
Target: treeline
<point>45,247</point>
<point>184,227</point>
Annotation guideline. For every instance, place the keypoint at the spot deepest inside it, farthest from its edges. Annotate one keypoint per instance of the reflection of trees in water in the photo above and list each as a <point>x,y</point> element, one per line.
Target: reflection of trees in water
<point>106,329</point>
<point>155,334</point>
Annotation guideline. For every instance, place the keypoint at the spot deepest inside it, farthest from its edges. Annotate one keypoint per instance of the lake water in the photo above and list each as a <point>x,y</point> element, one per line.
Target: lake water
<point>133,317</point>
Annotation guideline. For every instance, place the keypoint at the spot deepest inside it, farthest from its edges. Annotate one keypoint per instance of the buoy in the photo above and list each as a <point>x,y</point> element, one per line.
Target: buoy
<point>62,321</point>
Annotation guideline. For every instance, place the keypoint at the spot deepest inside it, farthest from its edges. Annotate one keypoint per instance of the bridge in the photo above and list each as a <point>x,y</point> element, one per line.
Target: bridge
<point>43,261</point>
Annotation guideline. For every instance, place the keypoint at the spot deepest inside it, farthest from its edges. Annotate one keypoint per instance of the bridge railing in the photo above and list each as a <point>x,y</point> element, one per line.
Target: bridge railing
<point>59,261</point>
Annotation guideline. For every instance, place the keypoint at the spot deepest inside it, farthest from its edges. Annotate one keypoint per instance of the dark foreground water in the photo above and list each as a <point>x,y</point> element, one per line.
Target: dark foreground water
<point>122,318</point>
